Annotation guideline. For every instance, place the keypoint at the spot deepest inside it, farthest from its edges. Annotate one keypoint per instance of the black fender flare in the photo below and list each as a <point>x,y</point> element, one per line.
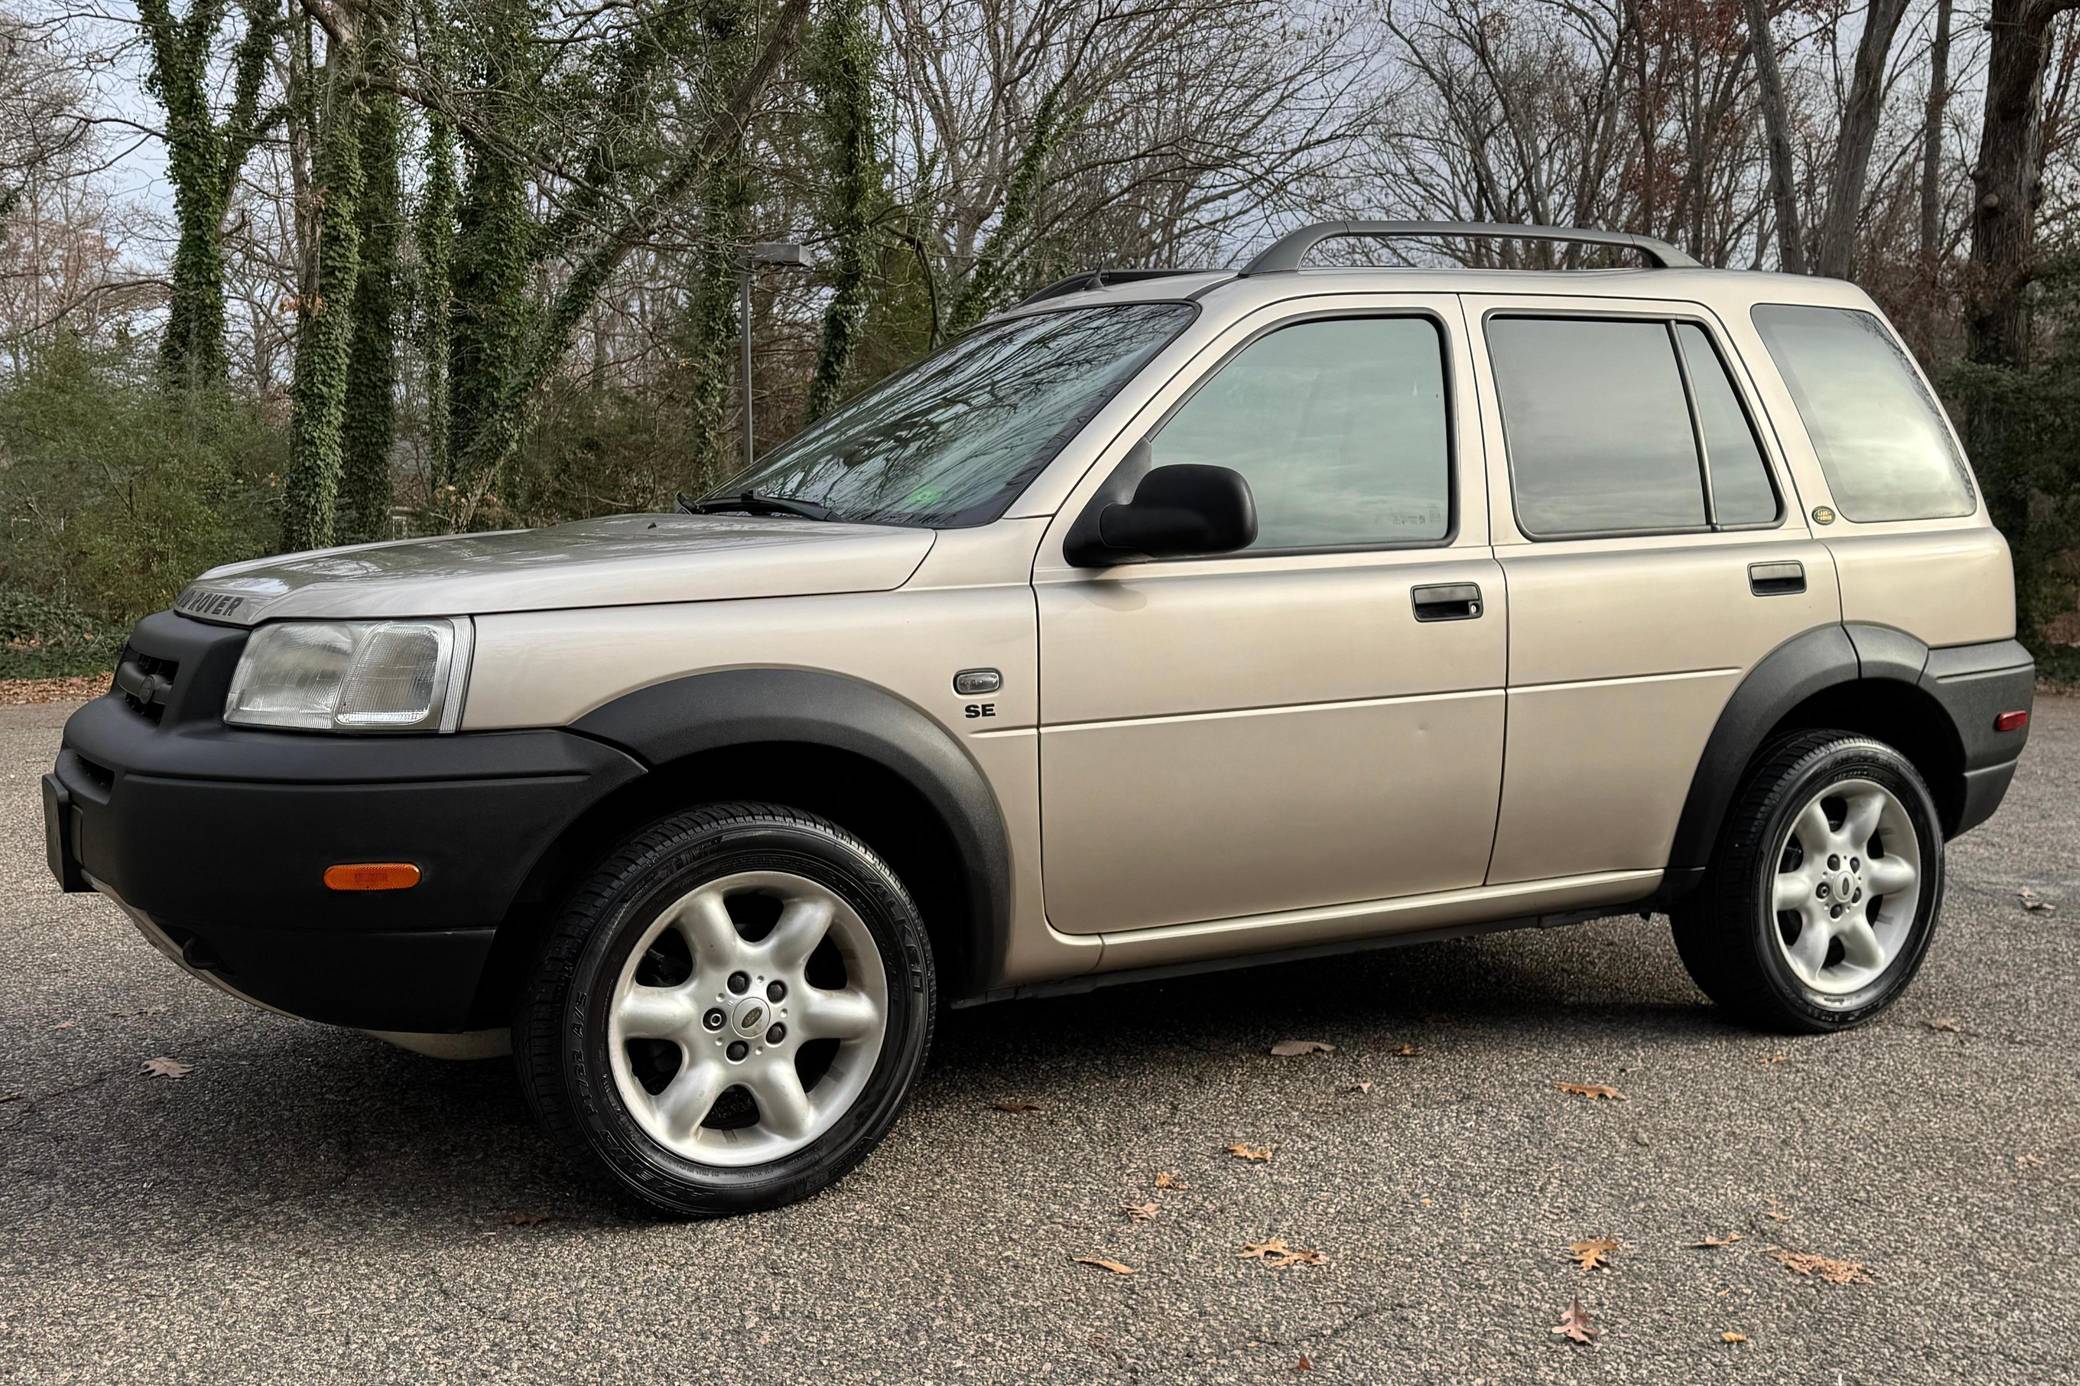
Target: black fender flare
<point>683,717</point>
<point>1802,666</point>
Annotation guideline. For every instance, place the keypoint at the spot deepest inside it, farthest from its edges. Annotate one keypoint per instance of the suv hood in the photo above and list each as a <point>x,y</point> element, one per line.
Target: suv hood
<point>620,560</point>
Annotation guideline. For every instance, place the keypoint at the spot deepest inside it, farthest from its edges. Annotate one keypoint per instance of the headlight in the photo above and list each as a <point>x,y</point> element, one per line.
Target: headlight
<point>352,676</point>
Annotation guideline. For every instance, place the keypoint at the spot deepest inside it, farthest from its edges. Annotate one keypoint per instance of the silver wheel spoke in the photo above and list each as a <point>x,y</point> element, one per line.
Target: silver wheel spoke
<point>655,1012</point>
<point>1793,891</point>
<point>689,1097</point>
<point>1809,953</point>
<point>782,1104</point>
<point>1889,875</point>
<point>801,927</point>
<point>1860,943</point>
<point>704,919</point>
<point>1862,819</point>
<point>840,1015</point>
<point>1813,830</point>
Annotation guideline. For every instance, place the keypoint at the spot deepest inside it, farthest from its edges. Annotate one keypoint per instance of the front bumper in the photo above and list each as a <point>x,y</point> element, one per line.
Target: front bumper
<point>218,838</point>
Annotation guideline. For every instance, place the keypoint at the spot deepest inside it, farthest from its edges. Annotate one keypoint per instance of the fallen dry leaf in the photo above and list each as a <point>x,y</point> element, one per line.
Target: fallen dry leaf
<point>1305,1364</point>
<point>1729,1336</point>
<point>1250,1152</point>
<point>2021,1161</point>
<point>65,1025</point>
<point>1592,1091</point>
<point>1776,1214</point>
<point>1166,1180</point>
<point>1776,1059</point>
<point>1363,1085</point>
<point>1139,1212</point>
<point>1710,1242</point>
<point>1104,1263</point>
<point>1574,1324</point>
<point>1408,1051</point>
<point>2033,903</point>
<point>167,1068</point>
<point>1286,1049</point>
<point>1016,1104</point>
<point>1949,1025</point>
<point>1834,1272</point>
<point>1276,1254</point>
<point>1594,1252</point>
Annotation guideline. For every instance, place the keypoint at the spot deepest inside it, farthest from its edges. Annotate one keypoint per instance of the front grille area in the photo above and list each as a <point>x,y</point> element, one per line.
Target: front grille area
<point>146,682</point>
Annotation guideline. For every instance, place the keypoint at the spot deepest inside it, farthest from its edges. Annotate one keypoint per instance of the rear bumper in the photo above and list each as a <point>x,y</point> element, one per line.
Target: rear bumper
<point>218,838</point>
<point>1976,684</point>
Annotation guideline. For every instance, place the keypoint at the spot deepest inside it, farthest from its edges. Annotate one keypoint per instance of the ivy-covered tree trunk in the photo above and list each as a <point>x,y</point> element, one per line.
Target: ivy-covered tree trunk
<point>369,425</point>
<point>994,262</point>
<point>435,233</point>
<point>324,315</point>
<point>489,311</point>
<point>203,159</point>
<point>842,72</point>
<point>725,218</point>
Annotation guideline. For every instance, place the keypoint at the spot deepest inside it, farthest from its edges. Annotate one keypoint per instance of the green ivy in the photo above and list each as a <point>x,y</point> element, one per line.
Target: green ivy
<point>841,65</point>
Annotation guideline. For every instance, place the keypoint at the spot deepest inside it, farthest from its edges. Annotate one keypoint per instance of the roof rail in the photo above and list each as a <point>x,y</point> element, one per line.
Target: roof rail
<point>1289,250</point>
<point>1098,279</point>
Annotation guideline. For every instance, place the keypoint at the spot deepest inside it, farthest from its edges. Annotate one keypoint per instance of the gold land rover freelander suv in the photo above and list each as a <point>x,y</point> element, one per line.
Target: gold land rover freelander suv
<point>1168,620</point>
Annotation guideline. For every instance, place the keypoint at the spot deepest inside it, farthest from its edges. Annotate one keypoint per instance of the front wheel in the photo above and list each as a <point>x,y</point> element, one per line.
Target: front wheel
<point>1824,892</point>
<point>729,1014</point>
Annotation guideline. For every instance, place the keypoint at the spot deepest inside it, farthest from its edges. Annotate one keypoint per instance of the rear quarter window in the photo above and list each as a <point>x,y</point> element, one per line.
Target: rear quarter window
<point>1879,435</point>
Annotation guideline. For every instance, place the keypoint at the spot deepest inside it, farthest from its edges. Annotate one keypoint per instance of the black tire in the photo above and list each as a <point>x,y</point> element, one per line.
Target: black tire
<point>1727,930</point>
<point>560,1024</point>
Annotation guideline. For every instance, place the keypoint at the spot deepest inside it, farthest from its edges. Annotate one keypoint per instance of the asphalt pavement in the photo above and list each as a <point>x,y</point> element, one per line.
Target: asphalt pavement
<point>308,1204</point>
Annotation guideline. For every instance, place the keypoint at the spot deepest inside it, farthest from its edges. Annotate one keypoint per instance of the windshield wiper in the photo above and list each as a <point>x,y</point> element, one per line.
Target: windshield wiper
<point>756,503</point>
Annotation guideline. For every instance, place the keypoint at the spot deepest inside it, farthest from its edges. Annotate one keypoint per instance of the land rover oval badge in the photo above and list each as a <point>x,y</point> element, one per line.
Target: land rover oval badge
<point>1822,515</point>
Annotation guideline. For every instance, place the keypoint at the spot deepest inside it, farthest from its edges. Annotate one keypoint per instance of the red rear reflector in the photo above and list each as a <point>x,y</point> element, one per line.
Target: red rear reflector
<point>372,875</point>
<point>2011,721</point>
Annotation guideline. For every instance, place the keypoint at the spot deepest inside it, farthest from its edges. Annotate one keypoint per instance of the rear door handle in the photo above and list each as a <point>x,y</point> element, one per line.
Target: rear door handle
<point>1776,579</point>
<point>1447,601</point>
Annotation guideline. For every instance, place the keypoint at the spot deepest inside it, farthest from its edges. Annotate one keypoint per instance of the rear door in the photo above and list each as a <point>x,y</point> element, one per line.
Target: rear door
<point>1655,551</point>
<point>1316,720</point>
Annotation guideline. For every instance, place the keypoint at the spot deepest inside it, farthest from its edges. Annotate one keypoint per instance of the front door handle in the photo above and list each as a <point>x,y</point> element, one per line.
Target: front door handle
<point>1447,601</point>
<point>1776,579</point>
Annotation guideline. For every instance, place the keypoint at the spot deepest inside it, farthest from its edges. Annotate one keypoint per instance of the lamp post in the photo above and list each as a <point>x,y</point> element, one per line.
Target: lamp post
<point>782,253</point>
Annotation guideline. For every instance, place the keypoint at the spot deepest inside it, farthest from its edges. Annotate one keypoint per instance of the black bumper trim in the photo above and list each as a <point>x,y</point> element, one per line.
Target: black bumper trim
<point>220,838</point>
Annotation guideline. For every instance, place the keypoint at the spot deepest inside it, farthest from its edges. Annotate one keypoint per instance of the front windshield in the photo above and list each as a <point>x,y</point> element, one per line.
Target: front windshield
<point>953,440</point>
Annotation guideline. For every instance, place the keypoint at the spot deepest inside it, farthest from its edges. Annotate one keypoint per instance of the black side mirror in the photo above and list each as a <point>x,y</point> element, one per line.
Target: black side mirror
<point>1176,511</point>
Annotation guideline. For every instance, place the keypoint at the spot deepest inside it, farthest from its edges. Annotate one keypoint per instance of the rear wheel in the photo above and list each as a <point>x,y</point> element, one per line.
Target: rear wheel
<point>730,1013</point>
<point>1825,889</point>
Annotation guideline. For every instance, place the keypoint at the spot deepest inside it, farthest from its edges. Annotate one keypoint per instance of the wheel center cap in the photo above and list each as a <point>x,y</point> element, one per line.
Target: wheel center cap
<point>751,1016</point>
<point>1847,886</point>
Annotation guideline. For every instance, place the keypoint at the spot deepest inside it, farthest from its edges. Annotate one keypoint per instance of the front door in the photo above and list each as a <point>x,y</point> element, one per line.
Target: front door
<point>1316,720</point>
<point>1655,551</point>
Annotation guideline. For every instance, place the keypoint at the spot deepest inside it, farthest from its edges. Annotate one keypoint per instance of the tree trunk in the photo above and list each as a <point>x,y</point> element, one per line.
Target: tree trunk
<point>1852,153</point>
<point>325,316</point>
<point>844,80</point>
<point>2007,180</point>
<point>1932,135</point>
<point>435,234</point>
<point>492,264</point>
<point>372,367</point>
<point>1783,180</point>
<point>725,211</point>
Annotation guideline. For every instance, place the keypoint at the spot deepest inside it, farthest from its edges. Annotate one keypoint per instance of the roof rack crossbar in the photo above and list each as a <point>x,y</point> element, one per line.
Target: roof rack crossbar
<point>1289,250</point>
<point>1098,279</point>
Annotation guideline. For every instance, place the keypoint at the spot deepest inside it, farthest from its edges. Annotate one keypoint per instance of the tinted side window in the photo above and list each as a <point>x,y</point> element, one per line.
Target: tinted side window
<point>1741,490</point>
<point>1879,435</point>
<point>1339,426</point>
<point>1597,426</point>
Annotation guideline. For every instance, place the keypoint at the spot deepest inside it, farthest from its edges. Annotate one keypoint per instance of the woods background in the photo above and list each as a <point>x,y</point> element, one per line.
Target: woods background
<point>283,273</point>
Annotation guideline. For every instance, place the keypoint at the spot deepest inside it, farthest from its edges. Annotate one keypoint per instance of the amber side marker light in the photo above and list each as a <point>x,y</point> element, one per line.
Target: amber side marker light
<point>2011,721</point>
<point>372,875</point>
